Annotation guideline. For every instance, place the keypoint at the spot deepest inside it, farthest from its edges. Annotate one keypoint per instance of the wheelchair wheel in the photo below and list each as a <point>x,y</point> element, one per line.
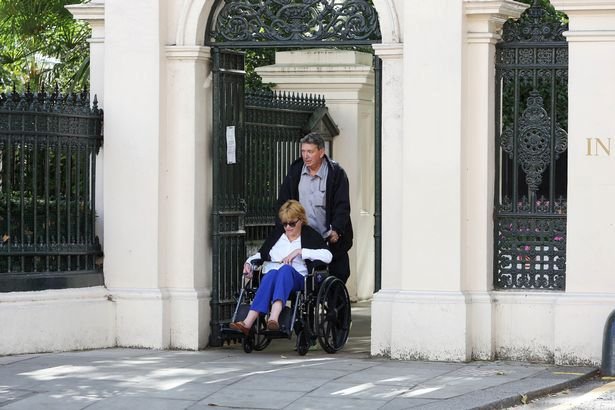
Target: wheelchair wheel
<point>332,315</point>
<point>248,344</point>
<point>303,343</point>
<point>260,340</point>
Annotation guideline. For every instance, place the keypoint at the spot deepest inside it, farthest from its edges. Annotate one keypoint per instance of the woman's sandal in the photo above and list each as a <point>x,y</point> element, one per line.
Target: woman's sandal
<point>241,327</point>
<point>273,325</point>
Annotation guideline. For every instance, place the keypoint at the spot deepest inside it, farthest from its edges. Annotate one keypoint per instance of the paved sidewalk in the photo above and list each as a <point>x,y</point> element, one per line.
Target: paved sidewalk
<point>276,378</point>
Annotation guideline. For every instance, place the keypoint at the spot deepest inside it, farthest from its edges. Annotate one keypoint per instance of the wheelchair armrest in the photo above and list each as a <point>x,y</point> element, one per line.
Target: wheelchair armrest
<point>319,266</point>
<point>257,263</point>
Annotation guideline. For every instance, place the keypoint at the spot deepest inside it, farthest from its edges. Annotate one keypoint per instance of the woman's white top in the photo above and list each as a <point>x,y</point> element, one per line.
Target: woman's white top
<point>283,247</point>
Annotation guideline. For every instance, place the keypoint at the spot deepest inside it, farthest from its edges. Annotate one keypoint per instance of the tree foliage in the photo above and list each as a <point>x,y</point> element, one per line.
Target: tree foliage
<point>41,43</point>
<point>547,5</point>
<point>254,58</point>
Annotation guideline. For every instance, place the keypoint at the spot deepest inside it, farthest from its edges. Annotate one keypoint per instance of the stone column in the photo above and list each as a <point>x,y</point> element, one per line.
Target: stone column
<point>484,19</point>
<point>346,80</point>
<point>392,207</point>
<point>427,308</point>
<point>135,134</point>
<point>590,289</point>
<point>186,195</point>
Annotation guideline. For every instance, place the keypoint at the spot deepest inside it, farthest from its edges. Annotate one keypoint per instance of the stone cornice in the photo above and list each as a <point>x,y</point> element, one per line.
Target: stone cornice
<point>89,12</point>
<point>389,51</point>
<point>486,17</point>
<point>483,38</point>
<point>498,9</point>
<point>594,36</point>
<point>584,5</point>
<point>188,53</point>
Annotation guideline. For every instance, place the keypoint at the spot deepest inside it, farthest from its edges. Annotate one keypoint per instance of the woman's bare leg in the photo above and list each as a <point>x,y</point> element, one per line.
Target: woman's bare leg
<point>276,309</point>
<point>250,318</point>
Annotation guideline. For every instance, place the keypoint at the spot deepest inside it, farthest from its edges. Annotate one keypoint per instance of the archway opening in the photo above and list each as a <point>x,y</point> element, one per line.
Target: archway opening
<point>234,27</point>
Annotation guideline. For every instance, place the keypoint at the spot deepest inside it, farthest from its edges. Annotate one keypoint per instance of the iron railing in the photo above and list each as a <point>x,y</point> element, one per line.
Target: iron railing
<point>48,148</point>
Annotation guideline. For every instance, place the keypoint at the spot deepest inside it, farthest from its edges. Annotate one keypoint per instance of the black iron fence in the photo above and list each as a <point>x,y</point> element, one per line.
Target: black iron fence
<point>48,148</point>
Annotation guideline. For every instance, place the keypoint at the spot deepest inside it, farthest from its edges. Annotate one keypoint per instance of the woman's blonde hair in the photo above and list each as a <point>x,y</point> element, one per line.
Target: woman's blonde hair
<point>292,210</point>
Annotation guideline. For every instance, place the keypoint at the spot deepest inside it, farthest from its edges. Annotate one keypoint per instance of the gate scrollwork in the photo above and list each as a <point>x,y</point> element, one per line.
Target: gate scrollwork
<point>534,140</point>
<point>284,21</point>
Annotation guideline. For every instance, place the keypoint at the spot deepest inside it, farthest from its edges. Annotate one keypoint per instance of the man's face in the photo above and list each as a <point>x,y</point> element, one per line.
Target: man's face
<point>312,156</point>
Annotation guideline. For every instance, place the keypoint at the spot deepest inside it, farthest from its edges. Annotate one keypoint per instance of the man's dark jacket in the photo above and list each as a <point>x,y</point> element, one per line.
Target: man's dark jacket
<point>337,210</point>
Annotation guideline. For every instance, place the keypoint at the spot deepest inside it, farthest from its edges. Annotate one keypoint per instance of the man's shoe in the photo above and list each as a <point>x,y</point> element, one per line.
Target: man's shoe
<point>241,327</point>
<point>273,325</point>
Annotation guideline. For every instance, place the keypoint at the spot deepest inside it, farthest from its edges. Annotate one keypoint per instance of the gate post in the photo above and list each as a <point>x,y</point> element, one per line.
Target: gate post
<point>483,24</point>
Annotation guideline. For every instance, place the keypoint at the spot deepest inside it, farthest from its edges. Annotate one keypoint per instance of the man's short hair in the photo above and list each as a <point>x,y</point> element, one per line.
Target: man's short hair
<point>313,138</point>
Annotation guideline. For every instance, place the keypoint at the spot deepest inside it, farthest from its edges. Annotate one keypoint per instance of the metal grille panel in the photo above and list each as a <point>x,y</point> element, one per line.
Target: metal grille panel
<point>531,145</point>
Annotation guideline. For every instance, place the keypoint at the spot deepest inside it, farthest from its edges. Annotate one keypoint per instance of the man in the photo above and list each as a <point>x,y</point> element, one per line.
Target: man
<point>321,185</point>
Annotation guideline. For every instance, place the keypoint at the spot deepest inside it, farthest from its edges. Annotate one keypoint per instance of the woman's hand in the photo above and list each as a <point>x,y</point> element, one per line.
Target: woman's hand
<point>289,259</point>
<point>247,270</point>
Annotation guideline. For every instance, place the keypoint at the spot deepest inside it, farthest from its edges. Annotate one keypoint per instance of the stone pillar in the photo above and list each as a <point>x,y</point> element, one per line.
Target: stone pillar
<point>346,80</point>
<point>392,142</point>
<point>427,308</point>
<point>590,289</point>
<point>186,196</point>
<point>484,19</point>
<point>135,133</point>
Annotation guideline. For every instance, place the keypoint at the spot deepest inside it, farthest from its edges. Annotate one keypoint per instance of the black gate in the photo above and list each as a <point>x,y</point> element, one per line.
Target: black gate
<point>531,144</point>
<point>229,205</point>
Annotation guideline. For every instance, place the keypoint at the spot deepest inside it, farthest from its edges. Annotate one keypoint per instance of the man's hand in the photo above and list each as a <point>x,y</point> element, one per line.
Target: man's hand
<point>334,237</point>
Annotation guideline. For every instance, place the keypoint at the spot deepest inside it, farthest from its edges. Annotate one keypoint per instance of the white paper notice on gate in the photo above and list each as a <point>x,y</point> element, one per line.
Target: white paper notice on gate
<point>230,145</point>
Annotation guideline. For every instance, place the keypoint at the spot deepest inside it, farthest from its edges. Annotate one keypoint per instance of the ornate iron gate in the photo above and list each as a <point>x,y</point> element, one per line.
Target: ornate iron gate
<point>531,144</point>
<point>229,205</point>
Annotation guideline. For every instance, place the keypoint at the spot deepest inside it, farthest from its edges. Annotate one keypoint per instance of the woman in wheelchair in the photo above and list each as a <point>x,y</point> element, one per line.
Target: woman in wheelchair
<point>290,248</point>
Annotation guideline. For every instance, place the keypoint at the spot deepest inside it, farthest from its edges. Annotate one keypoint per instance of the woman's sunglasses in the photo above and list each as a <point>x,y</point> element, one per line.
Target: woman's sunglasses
<point>291,224</point>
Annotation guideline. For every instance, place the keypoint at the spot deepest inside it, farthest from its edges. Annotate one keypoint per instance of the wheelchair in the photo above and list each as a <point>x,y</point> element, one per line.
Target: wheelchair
<point>320,312</point>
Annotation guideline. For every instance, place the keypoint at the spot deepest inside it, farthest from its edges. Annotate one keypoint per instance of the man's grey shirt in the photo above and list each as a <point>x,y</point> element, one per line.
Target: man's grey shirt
<point>313,197</point>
